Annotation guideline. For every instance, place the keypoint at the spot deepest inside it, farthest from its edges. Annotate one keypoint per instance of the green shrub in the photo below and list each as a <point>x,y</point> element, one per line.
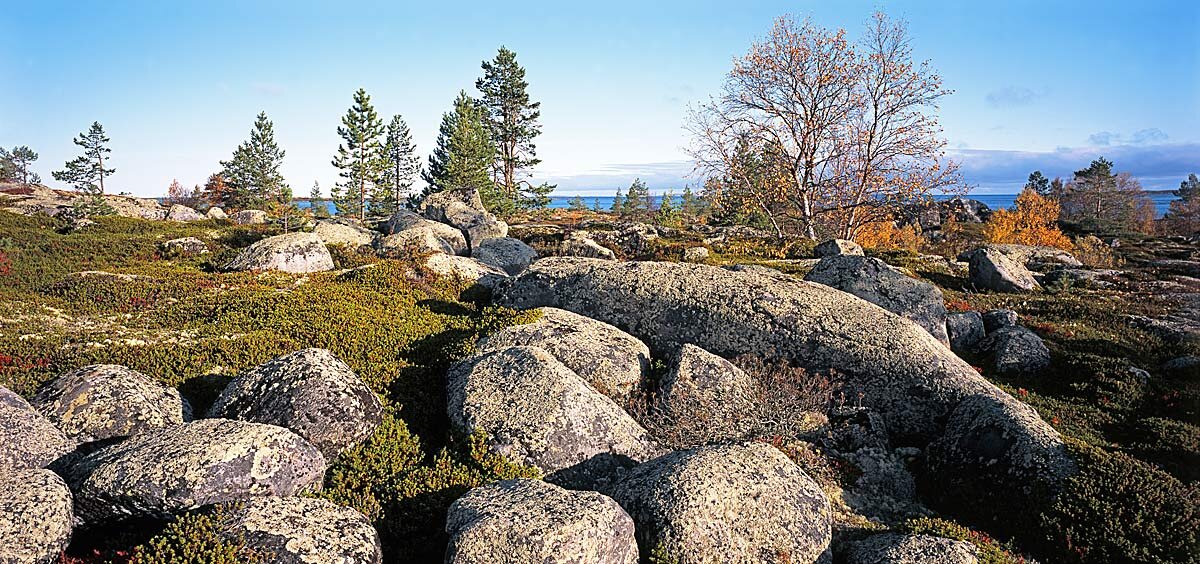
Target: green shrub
<point>1119,509</point>
<point>989,550</point>
<point>196,538</point>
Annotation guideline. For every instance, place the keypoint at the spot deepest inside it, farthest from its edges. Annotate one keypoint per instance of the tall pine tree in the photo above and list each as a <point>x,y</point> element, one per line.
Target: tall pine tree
<point>316,203</point>
<point>86,172</point>
<point>360,157</point>
<point>252,175</point>
<point>21,158</point>
<point>512,120</point>
<point>401,165</point>
<point>463,155</point>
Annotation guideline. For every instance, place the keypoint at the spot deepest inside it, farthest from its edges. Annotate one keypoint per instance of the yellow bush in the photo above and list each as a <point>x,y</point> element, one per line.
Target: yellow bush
<point>885,235</point>
<point>1034,221</point>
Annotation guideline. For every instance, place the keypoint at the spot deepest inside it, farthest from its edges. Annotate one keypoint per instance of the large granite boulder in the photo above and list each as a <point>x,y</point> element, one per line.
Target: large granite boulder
<point>216,213</point>
<point>532,521</point>
<point>990,269</point>
<point>696,254</point>
<point>900,369</point>
<point>413,242</point>
<point>1015,351</point>
<point>873,280</point>
<point>291,252</point>
<point>299,530</point>
<point>103,401</point>
<point>609,359</point>
<point>179,212</point>
<point>27,438</point>
<point>312,393</point>
<point>729,503</point>
<point>535,410</point>
<point>995,450</point>
<point>465,268</point>
<point>995,319</point>
<point>184,246</point>
<point>249,217</point>
<point>1033,257</point>
<point>344,232</point>
<point>707,391</point>
<point>900,548</point>
<point>163,472</point>
<point>580,244</point>
<point>508,254</point>
<point>837,248</point>
<point>464,209</point>
<point>35,516</point>
<point>965,331</point>
<point>419,229</point>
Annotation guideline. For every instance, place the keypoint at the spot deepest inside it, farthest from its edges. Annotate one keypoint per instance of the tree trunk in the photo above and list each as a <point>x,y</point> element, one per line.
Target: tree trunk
<point>100,159</point>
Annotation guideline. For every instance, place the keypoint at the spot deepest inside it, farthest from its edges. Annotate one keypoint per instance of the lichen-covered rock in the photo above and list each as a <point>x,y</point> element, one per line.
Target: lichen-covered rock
<point>852,428</point>
<point>508,254</point>
<point>527,520</point>
<point>465,268</point>
<point>186,246</point>
<point>1016,351</point>
<point>704,388</point>
<point>35,516</point>
<point>299,530</point>
<point>535,410</point>
<point>873,280</point>
<point>611,360</point>
<point>998,319</point>
<point>344,232</point>
<point>695,254</point>
<point>216,213</point>
<point>965,331</point>
<point>990,269</point>
<point>249,217</point>
<point>291,252</point>
<point>464,209</point>
<point>837,248</point>
<point>166,471</point>
<point>579,244</point>
<point>1031,256</point>
<point>730,503</point>
<point>910,378</point>
<point>310,392</point>
<point>422,231</point>
<point>1081,278</point>
<point>884,488</point>
<point>27,438</point>
<point>102,401</point>
<point>900,548</point>
<point>182,213</point>
<point>995,450</point>
<point>413,241</point>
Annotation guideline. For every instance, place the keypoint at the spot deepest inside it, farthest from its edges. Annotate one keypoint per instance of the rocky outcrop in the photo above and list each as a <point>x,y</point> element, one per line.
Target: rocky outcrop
<point>216,213</point>
<point>632,239</point>
<point>508,254</point>
<point>708,390</point>
<point>312,393</point>
<point>183,213</point>
<point>696,254</point>
<point>965,330</point>
<point>31,199</point>
<point>1015,351</point>
<point>413,242</point>
<point>465,268</point>
<point>995,319</point>
<point>299,530</point>
<point>580,244</point>
<point>837,248</point>
<point>732,503</point>
<point>873,280</point>
<point>344,232</point>
<point>185,246</point>
<point>35,516</point>
<point>291,252</point>
<point>249,217</point>
<point>28,439</point>
<point>166,471</point>
<point>535,410</point>
<point>900,369</point>
<point>609,359</point>
<point>103,401</point>
<point>421,229</point>
<point>900,548</point>
<point>992,270</point>
<point>1081,278</point>
<point>532,521</point>
<point>1033,257</point>
<point>463,209</point>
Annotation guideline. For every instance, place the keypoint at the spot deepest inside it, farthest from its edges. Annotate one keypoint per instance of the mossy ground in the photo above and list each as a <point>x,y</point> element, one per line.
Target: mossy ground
<point>182,321</point>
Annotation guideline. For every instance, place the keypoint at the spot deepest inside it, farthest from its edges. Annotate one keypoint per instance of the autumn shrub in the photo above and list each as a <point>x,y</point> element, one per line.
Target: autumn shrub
<point>989,551</point>
<point>1034,221</point>
<point>1119,509</point>
<point>886,235</point>
<point>1093,252</point>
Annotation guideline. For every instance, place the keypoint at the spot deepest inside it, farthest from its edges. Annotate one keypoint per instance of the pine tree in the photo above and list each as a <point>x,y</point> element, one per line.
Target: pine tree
<point>576,204</point>
<point>618,204</point>
<point>360,158</point>
<point>667,213</point>
<point>1038,183</point>
<point>512,121</point>
<point>21,158</point>
<point>463,155</point>
<point>690,205</point>
<point>637,200</point>
<point>8,170</point>
<point>252,175</point>
<point>596,205</point>
<point>1189,189</point>
<point>315,203</point>
<point>86,172</point>
<point>401,166</point>
<point>215,191</point>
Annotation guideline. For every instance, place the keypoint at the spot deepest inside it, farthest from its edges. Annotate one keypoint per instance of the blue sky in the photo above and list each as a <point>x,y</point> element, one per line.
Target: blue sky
<point>1038,84</point>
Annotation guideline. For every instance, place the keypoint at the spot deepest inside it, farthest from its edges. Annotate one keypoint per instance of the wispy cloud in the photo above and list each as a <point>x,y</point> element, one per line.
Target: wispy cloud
<point>1148,136</point>
<point>1158,166</point>
<point>1011,96</point>
<point>607,178</point>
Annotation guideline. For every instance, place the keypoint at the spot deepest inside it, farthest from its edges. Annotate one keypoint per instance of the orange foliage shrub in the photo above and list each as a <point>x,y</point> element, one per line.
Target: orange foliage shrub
<point>885,235</point>
<point>1033,222</point>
